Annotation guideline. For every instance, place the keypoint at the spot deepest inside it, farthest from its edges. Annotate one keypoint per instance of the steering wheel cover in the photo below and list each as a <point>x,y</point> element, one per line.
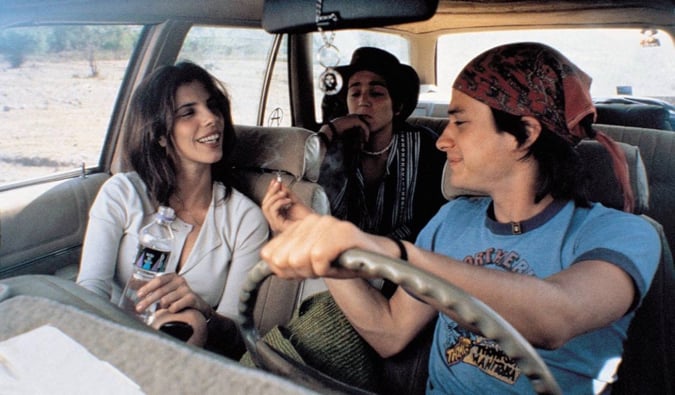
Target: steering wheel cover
<point>438,293</point>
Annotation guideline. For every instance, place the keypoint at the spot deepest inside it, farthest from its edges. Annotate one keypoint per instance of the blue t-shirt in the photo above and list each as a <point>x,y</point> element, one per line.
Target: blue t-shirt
<point>462,362</point>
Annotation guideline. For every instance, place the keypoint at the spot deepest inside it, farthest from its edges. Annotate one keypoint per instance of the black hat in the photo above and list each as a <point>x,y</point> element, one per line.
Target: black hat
<point>402,80</point>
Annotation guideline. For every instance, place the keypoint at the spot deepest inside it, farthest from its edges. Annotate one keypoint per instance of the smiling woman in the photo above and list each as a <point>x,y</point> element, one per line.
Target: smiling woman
<point>178,141</point>
<point>198,128</point>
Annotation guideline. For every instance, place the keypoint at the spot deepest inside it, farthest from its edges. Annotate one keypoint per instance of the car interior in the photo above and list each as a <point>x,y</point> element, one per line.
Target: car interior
<point>43,219</point>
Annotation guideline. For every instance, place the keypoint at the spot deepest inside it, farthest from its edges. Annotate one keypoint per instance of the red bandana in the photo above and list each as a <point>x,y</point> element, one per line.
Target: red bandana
<point>532,79</point>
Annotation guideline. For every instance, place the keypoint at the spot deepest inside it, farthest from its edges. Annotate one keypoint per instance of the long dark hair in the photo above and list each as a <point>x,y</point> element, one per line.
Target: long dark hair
<point>560,170</point>
<point>151,117</point>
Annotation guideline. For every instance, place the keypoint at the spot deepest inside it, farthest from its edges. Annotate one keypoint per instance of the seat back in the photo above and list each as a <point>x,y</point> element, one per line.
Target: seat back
<point>657,148</point>
<point>633,114</point>
<point>648,361</point>
<point>295,154</point>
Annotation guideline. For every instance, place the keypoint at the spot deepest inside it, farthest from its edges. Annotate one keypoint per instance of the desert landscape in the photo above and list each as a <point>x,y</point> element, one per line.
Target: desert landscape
<point>59,121</point>
<point>63,97</point>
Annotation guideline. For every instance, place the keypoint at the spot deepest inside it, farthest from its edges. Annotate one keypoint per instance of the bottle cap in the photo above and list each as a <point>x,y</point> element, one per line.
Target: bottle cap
<point>167,213</point>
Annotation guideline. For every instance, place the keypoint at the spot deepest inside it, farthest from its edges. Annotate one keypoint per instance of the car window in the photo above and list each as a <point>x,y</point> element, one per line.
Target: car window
<point>620,61</point>
<point>278,105</point>
<point>346,41</point>
<point>238,58</point>
<point>59,85</point>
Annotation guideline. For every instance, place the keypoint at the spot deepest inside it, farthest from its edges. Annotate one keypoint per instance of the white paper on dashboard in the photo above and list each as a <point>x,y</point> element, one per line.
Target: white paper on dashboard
<point>47,361</point>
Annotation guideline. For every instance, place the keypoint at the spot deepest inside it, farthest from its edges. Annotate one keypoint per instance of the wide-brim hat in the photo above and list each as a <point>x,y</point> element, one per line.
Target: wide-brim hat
<point>402,80</point>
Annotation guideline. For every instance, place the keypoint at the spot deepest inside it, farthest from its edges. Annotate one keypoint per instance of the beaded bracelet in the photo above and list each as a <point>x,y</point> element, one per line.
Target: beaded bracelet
<point>403,253</point>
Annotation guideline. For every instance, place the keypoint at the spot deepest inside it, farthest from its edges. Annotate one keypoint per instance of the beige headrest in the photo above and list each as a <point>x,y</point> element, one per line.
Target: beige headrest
<point>254,184</point>
<point>450,192</point>
<point>603,185</point>
<point>295,151</point>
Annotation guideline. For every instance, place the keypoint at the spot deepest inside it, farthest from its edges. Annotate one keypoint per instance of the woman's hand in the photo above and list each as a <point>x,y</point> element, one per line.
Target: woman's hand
<point>282,207</point>
<point>173,294</point>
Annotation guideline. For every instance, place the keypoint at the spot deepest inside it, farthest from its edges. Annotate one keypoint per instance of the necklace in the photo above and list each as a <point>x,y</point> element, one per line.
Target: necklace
<point>380,152</point>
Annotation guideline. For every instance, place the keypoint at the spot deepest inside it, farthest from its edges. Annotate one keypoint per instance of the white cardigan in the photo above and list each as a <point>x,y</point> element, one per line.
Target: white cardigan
<point>226,249</point>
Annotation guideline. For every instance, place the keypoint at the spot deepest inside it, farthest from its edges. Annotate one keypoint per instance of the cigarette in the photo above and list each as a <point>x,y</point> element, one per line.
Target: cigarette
<point>279,177</point>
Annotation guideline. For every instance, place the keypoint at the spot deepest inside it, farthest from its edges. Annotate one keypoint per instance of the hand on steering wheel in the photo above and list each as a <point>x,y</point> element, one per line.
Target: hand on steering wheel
<point>442,295</point>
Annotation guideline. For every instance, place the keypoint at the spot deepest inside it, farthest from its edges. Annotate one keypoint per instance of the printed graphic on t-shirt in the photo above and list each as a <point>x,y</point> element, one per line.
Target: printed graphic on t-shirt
<point>508,260</point>
<point>463,346</point>
<point>484,355</point>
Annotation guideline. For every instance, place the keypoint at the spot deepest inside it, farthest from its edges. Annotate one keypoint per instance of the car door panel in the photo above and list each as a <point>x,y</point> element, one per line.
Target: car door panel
<point>42,226</point>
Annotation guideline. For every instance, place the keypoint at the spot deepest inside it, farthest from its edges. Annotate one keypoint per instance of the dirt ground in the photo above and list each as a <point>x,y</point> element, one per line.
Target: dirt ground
<point>58,120</point>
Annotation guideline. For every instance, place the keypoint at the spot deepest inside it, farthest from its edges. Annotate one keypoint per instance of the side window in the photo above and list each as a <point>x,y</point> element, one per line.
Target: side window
<point>278,105</point>
<point>59,85</point>
<point>346,41</point>
<point>238,58</point>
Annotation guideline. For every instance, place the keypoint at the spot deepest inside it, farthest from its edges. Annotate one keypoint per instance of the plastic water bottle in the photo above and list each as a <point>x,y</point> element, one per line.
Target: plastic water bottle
<point>155,242</point>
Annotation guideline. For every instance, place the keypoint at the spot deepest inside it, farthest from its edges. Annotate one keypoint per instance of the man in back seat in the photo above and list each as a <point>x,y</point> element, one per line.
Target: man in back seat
<point>567,273</point>
<point>379,172</point>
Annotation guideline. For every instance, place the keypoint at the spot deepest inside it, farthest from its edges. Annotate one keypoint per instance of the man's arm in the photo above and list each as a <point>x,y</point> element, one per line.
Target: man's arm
<point>307,248</point>
<point>547,312</point>
<point>388,325</point>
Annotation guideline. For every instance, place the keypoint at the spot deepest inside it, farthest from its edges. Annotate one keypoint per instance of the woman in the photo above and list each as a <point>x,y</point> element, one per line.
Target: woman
<point>565,272</point>
<point>380,173</point>
<point>177,143</point>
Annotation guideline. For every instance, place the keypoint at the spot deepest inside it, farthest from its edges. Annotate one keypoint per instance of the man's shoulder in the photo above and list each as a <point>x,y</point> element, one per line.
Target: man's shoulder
<point>598,211</point>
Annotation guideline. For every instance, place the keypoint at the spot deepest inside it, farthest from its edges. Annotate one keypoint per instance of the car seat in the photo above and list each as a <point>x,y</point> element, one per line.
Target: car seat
<point>627,112</point>
<point>295,154</point>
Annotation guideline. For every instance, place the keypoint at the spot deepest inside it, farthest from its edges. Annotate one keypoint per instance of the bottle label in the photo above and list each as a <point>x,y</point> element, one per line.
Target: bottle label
<point>152,260</point>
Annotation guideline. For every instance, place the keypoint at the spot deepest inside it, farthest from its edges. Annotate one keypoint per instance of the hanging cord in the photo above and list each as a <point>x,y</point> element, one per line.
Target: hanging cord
<point>330,81</point>
<point>324,20</point>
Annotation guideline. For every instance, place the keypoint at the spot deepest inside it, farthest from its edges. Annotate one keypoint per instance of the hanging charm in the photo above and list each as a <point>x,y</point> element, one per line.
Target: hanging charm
<point>330,81</point>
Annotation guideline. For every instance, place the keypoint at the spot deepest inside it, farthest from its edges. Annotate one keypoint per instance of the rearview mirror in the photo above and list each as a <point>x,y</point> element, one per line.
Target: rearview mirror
<point>302,16</point>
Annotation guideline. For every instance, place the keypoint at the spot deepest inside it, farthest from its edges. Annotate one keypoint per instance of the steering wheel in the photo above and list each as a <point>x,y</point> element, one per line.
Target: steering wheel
<point>438,293</point>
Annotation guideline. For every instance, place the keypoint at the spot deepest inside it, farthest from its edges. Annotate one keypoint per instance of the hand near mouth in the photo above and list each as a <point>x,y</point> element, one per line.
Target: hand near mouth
<point>356,122</point>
